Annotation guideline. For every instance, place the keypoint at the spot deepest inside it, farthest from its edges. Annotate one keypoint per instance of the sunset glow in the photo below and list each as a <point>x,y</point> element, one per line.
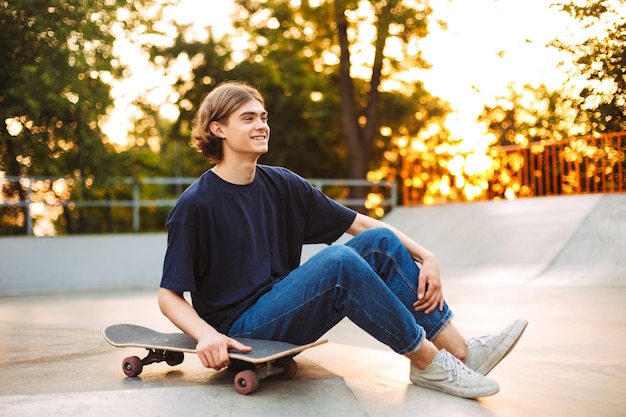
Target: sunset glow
<point>482,50</point>
<point>483,47</point>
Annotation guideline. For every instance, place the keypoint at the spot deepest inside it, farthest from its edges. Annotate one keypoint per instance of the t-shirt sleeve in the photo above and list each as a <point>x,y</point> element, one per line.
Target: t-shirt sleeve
<point>327,220</point>
<point>178,267</point>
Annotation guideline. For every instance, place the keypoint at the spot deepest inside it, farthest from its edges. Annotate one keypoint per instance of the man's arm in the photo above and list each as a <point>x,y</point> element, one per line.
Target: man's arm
<point>212,347</point>
<point>429,300</point>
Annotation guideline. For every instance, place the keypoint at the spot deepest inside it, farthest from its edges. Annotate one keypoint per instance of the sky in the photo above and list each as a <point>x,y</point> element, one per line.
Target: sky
<point>488,44</point>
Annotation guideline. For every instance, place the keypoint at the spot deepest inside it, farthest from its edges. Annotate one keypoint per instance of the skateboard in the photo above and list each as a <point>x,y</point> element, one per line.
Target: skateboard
<point>266,359</point>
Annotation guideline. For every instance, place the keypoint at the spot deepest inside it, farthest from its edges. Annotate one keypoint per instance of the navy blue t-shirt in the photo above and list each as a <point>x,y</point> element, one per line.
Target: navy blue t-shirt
<point>228,244</point>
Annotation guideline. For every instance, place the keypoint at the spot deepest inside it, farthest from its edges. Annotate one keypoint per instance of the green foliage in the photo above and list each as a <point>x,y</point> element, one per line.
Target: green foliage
<point>302,135</point>
<point>529,114</point>
<point>291,53</point>
<point>592,101</point>
<point>600,61</point>
<point>592,104</point>
<point>56,65</point>
<point>51,90</point>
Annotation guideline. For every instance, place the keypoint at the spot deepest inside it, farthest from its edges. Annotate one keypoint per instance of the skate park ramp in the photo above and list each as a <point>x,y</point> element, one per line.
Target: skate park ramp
<point>570,240</point>
<point>556,261</point>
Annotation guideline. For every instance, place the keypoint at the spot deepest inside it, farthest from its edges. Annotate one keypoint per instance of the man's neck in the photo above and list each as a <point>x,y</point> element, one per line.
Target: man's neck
<point>241,173</point>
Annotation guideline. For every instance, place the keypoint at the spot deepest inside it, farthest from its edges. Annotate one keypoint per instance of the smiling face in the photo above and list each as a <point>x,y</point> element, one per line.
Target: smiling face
<point>246,133</point>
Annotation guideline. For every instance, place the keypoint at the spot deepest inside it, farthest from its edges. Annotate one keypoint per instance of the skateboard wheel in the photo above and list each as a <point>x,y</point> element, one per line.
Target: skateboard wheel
<point>246,382</point>
<point>174,358</point>
<point>290,365</point>
<point>132,366</point>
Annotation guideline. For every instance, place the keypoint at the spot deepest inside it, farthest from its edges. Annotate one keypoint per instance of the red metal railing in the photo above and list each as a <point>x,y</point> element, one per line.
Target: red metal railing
<point>573,166</point>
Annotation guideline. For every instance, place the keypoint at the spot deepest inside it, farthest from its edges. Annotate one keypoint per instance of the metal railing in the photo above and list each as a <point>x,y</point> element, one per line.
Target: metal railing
<point>572,166</point>
<point>579,165</point>
<point>44,192</point>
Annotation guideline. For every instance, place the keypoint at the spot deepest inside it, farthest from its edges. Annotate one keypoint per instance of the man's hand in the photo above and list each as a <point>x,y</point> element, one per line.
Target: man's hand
<point>212,349</point>
<point>429,290</point>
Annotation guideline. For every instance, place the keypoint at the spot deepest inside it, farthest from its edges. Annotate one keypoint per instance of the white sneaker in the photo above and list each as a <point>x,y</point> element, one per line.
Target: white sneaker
<point>447,374</point>
<point>483,353</point>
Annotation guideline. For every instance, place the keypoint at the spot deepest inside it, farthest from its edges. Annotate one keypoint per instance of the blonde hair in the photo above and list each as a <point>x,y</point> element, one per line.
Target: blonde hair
<point>217,106</point>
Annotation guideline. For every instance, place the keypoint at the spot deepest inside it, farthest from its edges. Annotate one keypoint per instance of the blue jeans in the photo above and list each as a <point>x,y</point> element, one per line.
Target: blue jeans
<point>371,280</point>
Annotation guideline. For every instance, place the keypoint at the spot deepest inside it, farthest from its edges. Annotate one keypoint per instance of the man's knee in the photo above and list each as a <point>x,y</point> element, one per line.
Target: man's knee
<point>342,254</point>
<point>345,263</point>
<point>379,233</point>
<point>377,238</point>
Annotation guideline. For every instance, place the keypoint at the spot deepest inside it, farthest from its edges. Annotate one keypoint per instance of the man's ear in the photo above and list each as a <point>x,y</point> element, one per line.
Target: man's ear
<point>216,129</point>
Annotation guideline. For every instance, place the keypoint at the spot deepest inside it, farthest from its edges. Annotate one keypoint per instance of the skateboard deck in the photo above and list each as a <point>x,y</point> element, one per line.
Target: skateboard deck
<point>267,357</point>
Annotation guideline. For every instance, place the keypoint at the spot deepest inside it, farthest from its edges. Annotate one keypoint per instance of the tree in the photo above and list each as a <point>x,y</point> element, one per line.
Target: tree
<point>290,53</point>
<point>303,124</point>
<point>355,46</point>
<point>529,114</point>
<point>56,65</point>
<point>591,103</point>
<point>600,60</point>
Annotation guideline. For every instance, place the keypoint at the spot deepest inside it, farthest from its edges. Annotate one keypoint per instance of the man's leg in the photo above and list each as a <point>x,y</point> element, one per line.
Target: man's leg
<point>451,340</point>
<point>386,255</point>
<point>338,283</point>
<point>333,284</point>
<point>393,263</point>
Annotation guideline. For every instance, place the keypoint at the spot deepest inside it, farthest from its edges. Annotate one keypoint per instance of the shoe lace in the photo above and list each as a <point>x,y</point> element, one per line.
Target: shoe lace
<point>456,369</point>
<point>476,341</point>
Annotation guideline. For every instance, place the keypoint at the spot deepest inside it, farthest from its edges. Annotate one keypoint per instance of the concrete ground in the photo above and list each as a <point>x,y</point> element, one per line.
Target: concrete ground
<point>556,261</point>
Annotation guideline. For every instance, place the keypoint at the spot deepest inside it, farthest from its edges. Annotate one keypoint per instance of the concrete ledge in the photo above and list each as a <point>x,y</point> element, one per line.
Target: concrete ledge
<point>31,265</point>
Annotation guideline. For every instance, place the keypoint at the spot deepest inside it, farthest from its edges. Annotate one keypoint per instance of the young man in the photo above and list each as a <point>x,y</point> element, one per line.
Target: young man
<point>234,241</point>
